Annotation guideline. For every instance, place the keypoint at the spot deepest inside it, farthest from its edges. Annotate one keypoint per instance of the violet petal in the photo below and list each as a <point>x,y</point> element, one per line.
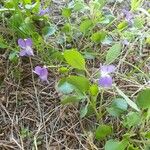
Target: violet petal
<point>23,53</point>
<point>107,69</point>
<point>105,82</point>
<point>28,42</point>
<point>29,51</point>
<point>37,70</point>
<point>43,11</point>
<point>43,74</point>
<point>21,43</point>
<point>128,15</point>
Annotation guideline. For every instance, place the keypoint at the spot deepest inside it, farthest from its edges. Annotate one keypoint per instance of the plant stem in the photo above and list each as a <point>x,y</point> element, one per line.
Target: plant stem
<point>35,90</point>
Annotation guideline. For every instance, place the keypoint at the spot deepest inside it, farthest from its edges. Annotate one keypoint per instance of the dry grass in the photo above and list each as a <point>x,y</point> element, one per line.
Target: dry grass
<point>22,125</point>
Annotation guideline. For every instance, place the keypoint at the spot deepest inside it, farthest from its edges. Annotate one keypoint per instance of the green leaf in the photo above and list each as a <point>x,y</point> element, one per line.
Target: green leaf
<point>112,145</point>
<point>65,87</point>
<point>122,25</point>
<point>83,111</point>
<point>13,56</point>
<point>130,36</point>
<point>27,1</point>
<point>147,41</point>
<point>9,4</point>
<point>118,106</point>
<point>31,6</point>
<point>66,12</point>
<point>143,99</point>
<point>130,102</point>
<point>91,108</point>
<point>113,53</point>
<point>102,131</point>
<point>120,103</point>
<point>107,41</point>
<point>2,45</point>
<point>98,4</point>
<point>108,18</point>
<point>49,30</point>
<point>85,25</point>
<point>70,100</point>
<point>79,82</point>
<point>89,55</point>
<point>98,36</point>
<point>36,7</point>
<point>78,6</point>
<point>132,119</point>
<point>116,145</point>
<point>66,28</point>
<point>55,56</point>
<point>75,59</point>
<point>135,4</point>
<point>147,135</point>
<point>94,90</point>
<point>139,22</point>
<point>102,3</point>
<point>63,70</point>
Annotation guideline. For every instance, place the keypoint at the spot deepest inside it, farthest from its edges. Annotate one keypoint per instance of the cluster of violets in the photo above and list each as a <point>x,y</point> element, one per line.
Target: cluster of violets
<point>26,50</point>
<point>25,45</point>
<point>105,79</point>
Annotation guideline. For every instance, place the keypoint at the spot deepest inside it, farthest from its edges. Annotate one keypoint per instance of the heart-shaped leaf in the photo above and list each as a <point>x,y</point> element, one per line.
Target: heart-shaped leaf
<point>65,87</point>
<point>79,82</point>
<point>98,36</point>
<point>113,53</point>
<point>143,99</point>
<point>83,111</point>
<point>85,25</point>
<point>118,106</point>
<point>116,145</point>
<point>102,131</point>
<point>75,59</point>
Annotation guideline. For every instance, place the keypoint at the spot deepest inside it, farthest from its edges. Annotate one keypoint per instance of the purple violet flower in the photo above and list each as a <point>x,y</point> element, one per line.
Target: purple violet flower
<point>42,72</point>
<point>43,11</point>
<point>105,79</point>
<point>26,47</point>
<point>128,15</point>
